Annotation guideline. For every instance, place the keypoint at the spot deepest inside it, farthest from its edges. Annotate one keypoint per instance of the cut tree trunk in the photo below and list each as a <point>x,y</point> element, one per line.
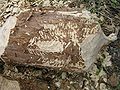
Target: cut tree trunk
<point>65,39</point>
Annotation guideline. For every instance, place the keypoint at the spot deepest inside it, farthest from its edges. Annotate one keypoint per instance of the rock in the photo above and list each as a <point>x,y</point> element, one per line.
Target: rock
<point>103,86</point>
<point>6,84</point>
<point>16,10</point>
<point>60,3</point>
<point>58,84</point>
<point>46,3</point>
<point>64,75</point>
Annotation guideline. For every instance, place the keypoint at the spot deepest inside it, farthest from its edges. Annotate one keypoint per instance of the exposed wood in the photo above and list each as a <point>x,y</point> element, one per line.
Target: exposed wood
<point>66,39</point>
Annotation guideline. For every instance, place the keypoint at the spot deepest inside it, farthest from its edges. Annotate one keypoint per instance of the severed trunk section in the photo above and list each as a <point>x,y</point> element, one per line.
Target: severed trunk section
<point>66,39</point>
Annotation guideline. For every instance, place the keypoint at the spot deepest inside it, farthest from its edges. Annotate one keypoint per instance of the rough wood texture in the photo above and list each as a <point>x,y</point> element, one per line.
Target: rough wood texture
<point>6,84</point>
<point>63,39</point>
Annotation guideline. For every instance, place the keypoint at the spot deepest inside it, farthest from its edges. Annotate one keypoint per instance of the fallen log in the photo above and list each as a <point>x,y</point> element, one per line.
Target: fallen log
<point>66,39</point>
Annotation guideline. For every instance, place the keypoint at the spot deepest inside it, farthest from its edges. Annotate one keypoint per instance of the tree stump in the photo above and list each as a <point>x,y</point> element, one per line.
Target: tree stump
<point>64,39</point>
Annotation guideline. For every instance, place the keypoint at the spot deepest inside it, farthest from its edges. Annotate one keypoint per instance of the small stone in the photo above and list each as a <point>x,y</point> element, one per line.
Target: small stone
<point>60,3</point>
<point>64,74</point>
<point>16,10</point>
<point>101,18</point>
<point>15,69</point>
<point>87,82</point>
<point>105,79</point>
<point>58,84</point>
<point>46,3</point>
<point>86,88</point>
<point>103,86</point>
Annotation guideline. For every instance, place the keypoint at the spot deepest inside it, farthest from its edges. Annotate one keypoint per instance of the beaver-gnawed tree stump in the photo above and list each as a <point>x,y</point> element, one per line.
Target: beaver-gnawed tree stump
<point>66,39</point>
